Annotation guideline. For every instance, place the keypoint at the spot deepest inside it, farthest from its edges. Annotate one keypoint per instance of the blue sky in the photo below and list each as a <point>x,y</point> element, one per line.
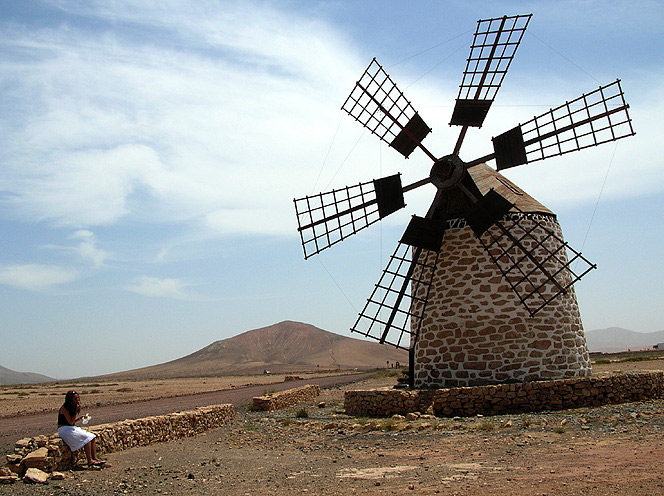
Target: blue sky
<point>150,153</point>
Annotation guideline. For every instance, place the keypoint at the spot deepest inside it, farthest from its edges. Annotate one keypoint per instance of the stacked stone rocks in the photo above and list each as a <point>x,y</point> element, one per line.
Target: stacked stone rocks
<point>509,398</point>
<point>285,399</point>
<point>50,453</point>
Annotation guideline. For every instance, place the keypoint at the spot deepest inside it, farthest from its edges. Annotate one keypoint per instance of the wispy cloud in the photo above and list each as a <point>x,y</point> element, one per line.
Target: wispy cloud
<point>160,288</point>
<point>88,248</point>
<point>223,115</point>
<point>36,277</point>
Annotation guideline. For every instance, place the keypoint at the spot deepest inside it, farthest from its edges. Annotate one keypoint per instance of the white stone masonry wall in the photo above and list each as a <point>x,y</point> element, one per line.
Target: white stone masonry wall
<point>476,331</point>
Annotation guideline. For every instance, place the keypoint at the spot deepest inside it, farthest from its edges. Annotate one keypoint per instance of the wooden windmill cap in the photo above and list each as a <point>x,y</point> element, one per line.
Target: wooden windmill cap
<point>487,178</point>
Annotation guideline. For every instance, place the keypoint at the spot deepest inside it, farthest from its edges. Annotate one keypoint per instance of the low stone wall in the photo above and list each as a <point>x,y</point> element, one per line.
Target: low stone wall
<point>508,398</point>
<point>284,399</point>
<point>49,453</point>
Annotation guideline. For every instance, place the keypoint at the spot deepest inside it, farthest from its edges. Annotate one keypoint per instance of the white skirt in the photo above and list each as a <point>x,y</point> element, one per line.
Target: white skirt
<point>75,437</point>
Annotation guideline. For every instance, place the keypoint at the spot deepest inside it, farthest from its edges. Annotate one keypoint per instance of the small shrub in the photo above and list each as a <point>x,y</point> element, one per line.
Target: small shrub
<point>268,392</point>
<point>638,359</point>
<point>124,390</point>
<point>381,374</point>
<point>526,421</point>
<point>485,426</point>
<point>302,413</point>
<point>388,425</point>
<point>559,430</point>
<point>602,361</point>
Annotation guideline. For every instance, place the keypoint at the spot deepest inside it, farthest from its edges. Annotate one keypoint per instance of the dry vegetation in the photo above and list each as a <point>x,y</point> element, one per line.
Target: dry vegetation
<point>32,398</point>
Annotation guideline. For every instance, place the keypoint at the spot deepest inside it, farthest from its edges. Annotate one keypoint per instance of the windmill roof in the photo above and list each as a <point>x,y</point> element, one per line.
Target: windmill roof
<point>487,178</point>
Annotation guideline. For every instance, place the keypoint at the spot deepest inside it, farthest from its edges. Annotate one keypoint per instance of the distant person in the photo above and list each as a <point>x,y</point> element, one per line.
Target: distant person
<point>75,437</point>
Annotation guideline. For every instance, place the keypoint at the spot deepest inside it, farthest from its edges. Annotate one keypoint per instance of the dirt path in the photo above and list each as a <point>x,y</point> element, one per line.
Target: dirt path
<point>14,428</point>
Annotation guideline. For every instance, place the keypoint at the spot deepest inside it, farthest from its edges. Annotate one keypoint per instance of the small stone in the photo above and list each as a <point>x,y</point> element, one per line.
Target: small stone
<point>35,475</point>
<point>36,459</point>
<point>23,443</point>
<point>322,404</point>
<point>8,479</point>
<point>57,476</point>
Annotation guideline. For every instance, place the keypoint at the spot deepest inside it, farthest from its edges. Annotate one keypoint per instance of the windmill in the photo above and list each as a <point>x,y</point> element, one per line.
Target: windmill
<point>480,289</point>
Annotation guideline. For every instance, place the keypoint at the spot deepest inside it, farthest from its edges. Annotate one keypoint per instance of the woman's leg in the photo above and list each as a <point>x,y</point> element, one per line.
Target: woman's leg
<point>88,453</point>
<point>94,449</point>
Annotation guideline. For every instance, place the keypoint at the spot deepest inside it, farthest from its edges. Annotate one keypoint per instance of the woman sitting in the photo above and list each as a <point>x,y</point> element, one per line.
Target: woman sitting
<point>75,437</point>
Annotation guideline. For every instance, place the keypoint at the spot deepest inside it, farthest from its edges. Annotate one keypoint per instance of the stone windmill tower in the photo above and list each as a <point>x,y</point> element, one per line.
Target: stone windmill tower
<point>479,290</point>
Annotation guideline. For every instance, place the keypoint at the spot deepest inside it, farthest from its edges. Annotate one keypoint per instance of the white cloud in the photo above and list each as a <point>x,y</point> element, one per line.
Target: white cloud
<point>88,247</point>
<point>160,288</point>
<point>35,277</point>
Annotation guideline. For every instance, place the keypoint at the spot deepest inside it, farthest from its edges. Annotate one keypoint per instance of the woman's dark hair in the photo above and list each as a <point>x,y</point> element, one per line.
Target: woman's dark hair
<point>70,405</point>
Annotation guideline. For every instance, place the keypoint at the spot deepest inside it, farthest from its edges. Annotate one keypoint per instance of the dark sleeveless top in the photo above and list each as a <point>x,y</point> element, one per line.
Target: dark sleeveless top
<point>62,420</point>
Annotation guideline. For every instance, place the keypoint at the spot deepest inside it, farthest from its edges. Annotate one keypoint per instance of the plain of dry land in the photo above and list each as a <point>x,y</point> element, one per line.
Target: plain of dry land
<point>33,398</point>
<point>319,450</point>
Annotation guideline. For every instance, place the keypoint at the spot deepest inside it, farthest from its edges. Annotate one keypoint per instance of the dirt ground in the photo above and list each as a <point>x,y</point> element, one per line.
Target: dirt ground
<point>615,449</point>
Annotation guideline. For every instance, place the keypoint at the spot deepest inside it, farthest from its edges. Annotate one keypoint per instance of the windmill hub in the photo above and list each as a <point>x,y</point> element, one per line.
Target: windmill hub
<point>447,172</point>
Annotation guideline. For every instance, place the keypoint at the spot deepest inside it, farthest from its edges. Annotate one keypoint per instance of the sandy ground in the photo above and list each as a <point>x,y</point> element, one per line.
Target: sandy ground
<point>590,451</point>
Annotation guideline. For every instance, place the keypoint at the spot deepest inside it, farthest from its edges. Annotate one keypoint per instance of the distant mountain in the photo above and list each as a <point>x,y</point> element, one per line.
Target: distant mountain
<point>280,348</point>
<point>9,377</point>
<point>614,339</point>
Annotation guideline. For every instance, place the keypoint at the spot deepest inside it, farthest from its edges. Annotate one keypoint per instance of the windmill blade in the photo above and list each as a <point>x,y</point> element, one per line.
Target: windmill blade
<point>396,306</point>
<point>598,117</point>
<point>535,262</point>
<point>382,108</point>
<point>328,218</point>
<point>494,45</point>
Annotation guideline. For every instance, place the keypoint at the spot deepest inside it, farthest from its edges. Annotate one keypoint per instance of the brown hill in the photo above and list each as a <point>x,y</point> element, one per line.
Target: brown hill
<point>9,377</point>
<point>280,348</point>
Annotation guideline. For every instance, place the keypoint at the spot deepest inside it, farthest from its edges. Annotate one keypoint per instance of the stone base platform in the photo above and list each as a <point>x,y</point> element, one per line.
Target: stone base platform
<point>497,399</point>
